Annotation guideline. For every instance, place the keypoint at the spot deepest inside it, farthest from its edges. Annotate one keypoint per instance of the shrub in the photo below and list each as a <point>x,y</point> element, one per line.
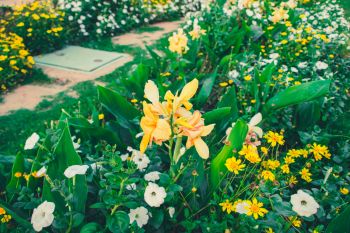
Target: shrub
<point>40,25</point>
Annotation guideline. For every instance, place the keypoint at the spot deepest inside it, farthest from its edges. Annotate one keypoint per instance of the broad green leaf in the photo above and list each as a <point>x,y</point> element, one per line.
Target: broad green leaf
<point>18,166</point>
<point>206,89</point>
<point>118,222</point>
<point>230,100</point>
<point>91,227</point>
<point>307,114</point>
<point>267,73</point>
<point>137,80</point>
<point>341,223</point>
<point>64,155</point>
<point>236,139</point>
<point>297,94</point>
<point>216,115</point>
<point>117,105</point>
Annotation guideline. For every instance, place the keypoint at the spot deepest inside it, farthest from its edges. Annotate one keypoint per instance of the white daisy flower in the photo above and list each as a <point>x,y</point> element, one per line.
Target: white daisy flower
<point>140,215</point>
<point>141,160</point>
<point>304,204</point>
<point>43,215</point>
<point>31,141</point>
<point>152,176</point>
<point>154,195</point>
<point>74,170</point>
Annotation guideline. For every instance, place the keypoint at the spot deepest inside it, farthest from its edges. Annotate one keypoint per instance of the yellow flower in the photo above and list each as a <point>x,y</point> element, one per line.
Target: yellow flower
<point>165,74</point>
<point>293,153</point>
<point>269,230</point>
<point>223,84</point>
<point>279,14</point>
<point>264,150</point>
<point>272,164</point>
<point>250,153</point>
<point>234,165</point>
<point>2,211</point>
<point>227,206</point>
<point>344,191</point>
<point>247,77</point>
<point>295,221</point>
<point>274,138</point>
<point>197,31</point>
<point>101,116</point>
<point>318,151</point>
<point>35,17</point>
<point>21,24</point>
<point>304,153</point>
<point>289,160</point>
<point>6,218</point>
<point>268,175</point>
<point>178,42</point>
<point>256,209</point>
<point>133,100</point>
<point>194,129</point>
<point>285,168</point>
<point>292,180</point>
<point>18,174</point>
<point>305,174</point>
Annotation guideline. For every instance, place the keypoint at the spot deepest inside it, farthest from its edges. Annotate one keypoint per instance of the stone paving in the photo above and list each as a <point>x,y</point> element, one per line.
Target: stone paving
<point>29,96</point>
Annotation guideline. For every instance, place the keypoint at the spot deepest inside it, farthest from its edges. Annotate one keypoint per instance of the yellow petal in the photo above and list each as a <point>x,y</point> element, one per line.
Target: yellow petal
<point>162,131</point>
<point>169,96</point>
<point>202,148</point>
<point>151,91</point>
<point>189,90</point>
<point>144,143</point>
<point>207,129</point>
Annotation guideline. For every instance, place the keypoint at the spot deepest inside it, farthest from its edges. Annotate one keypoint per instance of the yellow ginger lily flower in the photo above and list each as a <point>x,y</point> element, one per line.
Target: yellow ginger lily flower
<point>186,94</point>
<point>194,129</point>
<point>197,31</point>
<point>178,42</point>
<point>279,14</point>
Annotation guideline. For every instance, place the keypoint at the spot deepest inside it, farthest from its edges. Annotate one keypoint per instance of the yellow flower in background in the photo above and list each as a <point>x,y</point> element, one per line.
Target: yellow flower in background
<point>304,153</point>
<point>344,191</point>
<point>197,31</point>
<point>292,180</point>
<point>279,14</point>
<point>285,169</point>
<point>18,174</point>
<point>234,165</point>
<point>295,221</point>
<point>255,209</point>
<point>305,175</point>
<point>268,175</point>
<point>35,17</point>
<point>274,138</point>
<point>2,211</point>
<point>294,153</point>
<point>101,116</point>
<point>21,24</point>
<point>319,150</point>
<point>6,218</point>
<point>178,42</point>
<point>272,164</point>
<point>227,206</point>
<point>269,230</point>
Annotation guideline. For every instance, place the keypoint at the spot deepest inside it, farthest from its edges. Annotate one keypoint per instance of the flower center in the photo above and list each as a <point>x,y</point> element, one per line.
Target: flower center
<point>303,202</point>
<point>153,193</point>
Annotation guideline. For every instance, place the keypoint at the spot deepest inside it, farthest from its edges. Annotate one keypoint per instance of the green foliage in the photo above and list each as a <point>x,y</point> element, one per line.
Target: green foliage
<point>340,223</point>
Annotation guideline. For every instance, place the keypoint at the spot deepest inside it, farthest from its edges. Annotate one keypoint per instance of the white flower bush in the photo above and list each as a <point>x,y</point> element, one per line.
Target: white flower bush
<point>43,215</point>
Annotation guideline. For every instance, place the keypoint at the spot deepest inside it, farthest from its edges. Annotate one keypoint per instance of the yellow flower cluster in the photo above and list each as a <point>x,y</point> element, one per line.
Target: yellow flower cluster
<point>249,207</point>
<point>15,59</point>
<point>4,217</point>
<point>172,118</point>
<point>27,176</point>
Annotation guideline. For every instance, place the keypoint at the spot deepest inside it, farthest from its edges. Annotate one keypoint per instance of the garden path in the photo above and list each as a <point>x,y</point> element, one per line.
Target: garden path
<point>29,96</point>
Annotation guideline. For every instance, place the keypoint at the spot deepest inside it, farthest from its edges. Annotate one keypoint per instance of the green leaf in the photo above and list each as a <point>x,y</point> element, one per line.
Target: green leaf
<point>117,105</point>
<point>217,166</point>
<point>138,79</point>
<point>216,115</point>
<point>91,227</point>
<point>341,223</point>
<point>64,155</point>
<point>157,218</point>
<point>206,89</point>
<point>297,94</point>
<point>267,73</point>
<point>307,114</point>
<point>118,222</point>
<point>18,166</point>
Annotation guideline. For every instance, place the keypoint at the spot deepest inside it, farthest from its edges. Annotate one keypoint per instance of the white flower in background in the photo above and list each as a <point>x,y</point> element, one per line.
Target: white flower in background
<point>141,160</point>
<point>294,70</point>
<point>328,173</point>
<point>74,170</point>
<point>42,172</point>
<point>242,207</point>
<point>43,215</point>
<point>256,119</point>
<point>152,176</point>
<point>31,141</point>
<point>140,215</point>
<point>302,65</point>
<point>304,204</point>
<point>321,65</point>
<point>274,56</point>
<point>171,211</point>
<point>233,74</point>
<point>124,157</point>
<point>154,195</point>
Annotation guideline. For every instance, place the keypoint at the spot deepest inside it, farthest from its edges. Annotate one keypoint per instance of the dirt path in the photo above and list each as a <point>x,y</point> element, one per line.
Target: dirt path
<point>29,96</point>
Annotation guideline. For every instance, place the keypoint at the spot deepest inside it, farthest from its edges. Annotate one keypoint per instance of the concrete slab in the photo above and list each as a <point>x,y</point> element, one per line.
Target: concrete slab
<point>78,59</point>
